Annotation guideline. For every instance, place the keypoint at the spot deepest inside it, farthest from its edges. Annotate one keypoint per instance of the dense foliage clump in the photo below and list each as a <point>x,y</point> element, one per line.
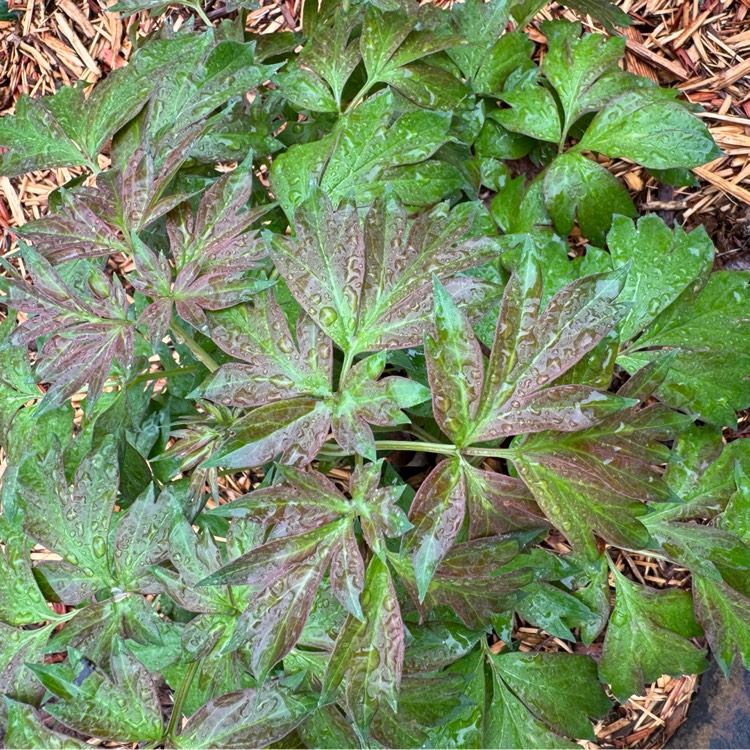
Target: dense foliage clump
<point>280,267</point>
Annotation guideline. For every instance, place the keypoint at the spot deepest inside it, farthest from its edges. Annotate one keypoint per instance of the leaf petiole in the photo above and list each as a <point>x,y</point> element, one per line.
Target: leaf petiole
<point>193,345</point>
<point>418,446</point>
<point>162,374</point>
<point>179,699</point>
<point>491,452</point>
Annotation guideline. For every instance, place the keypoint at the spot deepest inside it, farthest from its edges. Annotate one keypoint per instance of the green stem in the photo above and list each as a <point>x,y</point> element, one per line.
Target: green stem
<point>412,445</point>
<point>348,361</point>
<point>491,452</point>
<point>443,449</point>
<point>358,96</point>
<point>193,345</point>
<point>419,432</point>
<point>179,698</point>
<point>159,374</point>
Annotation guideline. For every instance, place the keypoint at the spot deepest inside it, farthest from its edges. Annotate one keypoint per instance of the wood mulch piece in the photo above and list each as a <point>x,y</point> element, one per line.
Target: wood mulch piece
<point>702,48</point>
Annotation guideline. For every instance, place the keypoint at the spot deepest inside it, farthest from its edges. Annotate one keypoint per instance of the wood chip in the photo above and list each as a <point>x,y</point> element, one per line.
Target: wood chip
<point>650,56</point>
<point>76,15</point>
<point>78,45</point>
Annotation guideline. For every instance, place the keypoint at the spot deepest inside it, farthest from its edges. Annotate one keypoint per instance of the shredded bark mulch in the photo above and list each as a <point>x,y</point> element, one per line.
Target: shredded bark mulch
<point>701,48</point>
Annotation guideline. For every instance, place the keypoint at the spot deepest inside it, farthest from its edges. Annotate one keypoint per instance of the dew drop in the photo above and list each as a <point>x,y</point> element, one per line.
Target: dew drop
<point>328,316</point>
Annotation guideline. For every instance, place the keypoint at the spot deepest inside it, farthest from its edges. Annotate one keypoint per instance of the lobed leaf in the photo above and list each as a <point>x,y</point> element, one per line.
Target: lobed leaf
<point>249,718</point>
<point>358,284</point>
<point>647,637</point>
<point>368,655</point>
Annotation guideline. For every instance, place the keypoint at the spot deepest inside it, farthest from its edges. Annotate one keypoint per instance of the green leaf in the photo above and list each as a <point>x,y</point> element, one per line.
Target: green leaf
<point>512,725</point>
<point>436,644</point>
<point>429,86</point>
<point>142,540</point>
<point>211,72</point>
<point>624,129</point>
<point>576,188</point>
<point>517,704</point>
<point>24,729</point>
<point>607,13</point>
<point>305,89</point>
<point>379,515</point>
<point>368,656</point>
<point>455,367</point>
<point>121,708</point>
<point>595,594</point>
<point>511,52</point>
<point>74,523</point>
<point>422,184</point>
<point>725,616</point>
<point>648,636</point>
<point>530,686</point>
<point>128,7</point>
<point>481,24</point>
<point>554,610</point>
<point>17,383</point>
<point>18,647</point>
<point>195,557</point>
<point>364,400</point>
<point>392,44</point>
<point>5,15</point>
<point>248,718</point>
<point>575,66</point>
<point>704,473</point>
<point>327,729</point>
<point>709,551</point>
<point>96,626</point>
<point>736,516</point>
<point>371,139</point>
<point>663,264</point>
<point>708,328</point>
<point>533,109</point>
<point>65,130</point>
<point>21,601</point>
<point>467,728</point>
<point>425,702</point>
<point>330,52</point>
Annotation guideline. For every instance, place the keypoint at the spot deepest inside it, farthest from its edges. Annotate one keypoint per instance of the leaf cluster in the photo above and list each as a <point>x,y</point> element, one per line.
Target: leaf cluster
<point>304,422</point>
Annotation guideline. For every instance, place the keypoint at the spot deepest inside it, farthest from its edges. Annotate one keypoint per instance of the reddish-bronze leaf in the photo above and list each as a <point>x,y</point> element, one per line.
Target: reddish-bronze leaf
<point>295,430</point>
<point>369,288</point>
<point>498,503</point>
<point>437,513</point>
<point>87,334</point>
<point>367,660</point>
<point>272,367</point>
